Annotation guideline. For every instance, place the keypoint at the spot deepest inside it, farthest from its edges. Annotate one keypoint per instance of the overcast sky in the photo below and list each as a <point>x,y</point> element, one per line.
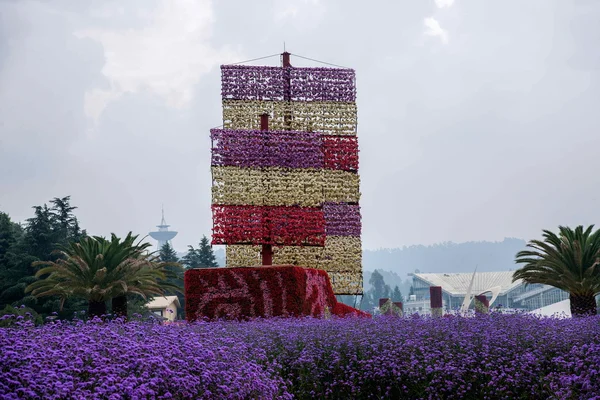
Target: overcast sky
<point>478,120</point>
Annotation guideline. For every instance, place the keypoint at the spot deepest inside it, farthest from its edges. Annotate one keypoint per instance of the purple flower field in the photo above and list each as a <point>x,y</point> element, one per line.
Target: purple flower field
<point>487,357</point>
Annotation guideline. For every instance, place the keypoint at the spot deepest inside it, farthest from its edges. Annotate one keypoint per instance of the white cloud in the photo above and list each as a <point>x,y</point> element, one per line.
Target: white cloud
<point>444,3</point>
<point>304,12</point>
<point>288,12</point>
<point>167,53</point>
<point>433,28</point>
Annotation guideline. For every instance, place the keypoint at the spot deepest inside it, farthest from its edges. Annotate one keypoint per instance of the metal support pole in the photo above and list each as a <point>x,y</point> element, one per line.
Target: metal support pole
<point>264,122</point>
<point>267,249</point>
<point>286,59</point>
<point>267,254</point>
<point>287,90</point>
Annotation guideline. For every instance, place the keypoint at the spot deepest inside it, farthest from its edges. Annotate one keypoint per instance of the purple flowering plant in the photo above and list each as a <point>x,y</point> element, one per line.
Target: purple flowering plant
<point>495,356</point>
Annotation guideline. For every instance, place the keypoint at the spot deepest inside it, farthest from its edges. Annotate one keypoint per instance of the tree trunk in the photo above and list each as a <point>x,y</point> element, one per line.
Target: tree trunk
<point>96,308</point>
<point>582,305</point>
<point>119,306</point>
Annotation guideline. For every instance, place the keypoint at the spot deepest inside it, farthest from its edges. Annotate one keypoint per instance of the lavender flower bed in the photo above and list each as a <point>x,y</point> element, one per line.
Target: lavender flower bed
<point>497,356</point>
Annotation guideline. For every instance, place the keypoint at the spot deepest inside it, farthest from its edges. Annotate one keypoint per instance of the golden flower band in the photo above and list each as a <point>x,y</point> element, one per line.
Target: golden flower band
<point>346,283</point>
<point>277,186</point>
<point>341,257</point>
<point>329,118</point>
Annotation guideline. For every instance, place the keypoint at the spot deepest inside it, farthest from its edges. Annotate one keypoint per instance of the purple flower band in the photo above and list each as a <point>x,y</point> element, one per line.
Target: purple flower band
<point>322,84</point>
<point>243,82</point>
<point>252,148</point>
<point>342,219</point>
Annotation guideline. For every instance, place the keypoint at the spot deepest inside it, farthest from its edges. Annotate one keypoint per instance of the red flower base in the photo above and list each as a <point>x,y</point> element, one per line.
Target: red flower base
<point>242,293</point>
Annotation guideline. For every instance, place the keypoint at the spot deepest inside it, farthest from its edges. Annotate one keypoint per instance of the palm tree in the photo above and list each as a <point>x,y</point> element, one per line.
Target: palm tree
<point>117,252</point>
<point>100,270</point>
<point>568,261</point>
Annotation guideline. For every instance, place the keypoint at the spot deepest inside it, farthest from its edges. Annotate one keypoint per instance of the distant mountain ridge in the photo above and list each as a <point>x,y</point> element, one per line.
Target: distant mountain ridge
<point>446,257</point>
<point>396,264</point>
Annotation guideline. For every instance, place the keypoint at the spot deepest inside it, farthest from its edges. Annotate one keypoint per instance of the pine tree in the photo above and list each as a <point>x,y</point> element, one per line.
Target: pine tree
<point>202,257</point>
<point>167,253</point>
<point>9,233</point>
<point>207,256</point>
<point>367,303</point>
<point>379,288</point>
<point>191,258</point>
<point>397,295</point>
<point>48,230</point>
<point>13,264</point>
<point>64,223</point>
<point>52,228</point>
<point>39,233</point>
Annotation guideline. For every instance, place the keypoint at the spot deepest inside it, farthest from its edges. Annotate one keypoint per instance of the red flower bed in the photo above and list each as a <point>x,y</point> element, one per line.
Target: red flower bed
<point>341,310</point>
<point>241,293</point>
<point>278,225</point>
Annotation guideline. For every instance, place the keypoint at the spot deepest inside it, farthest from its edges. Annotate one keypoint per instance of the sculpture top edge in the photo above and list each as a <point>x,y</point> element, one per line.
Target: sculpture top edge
<point>271,68</point>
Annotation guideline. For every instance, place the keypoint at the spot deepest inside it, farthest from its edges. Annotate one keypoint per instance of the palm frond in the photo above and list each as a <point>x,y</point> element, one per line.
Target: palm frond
<point>568,260</point>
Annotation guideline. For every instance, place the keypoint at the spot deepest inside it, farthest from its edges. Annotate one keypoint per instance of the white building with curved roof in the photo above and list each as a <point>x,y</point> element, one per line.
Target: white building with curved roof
<point>515,295</point>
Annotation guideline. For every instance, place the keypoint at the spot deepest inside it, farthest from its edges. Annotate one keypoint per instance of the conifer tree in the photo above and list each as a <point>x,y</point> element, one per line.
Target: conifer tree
<point>168,254</point>
<point>202,257</point>
<point>397,295</point>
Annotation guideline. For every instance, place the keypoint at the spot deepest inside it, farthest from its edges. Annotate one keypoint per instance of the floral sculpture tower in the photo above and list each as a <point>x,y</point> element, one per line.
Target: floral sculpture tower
<point>285,170</point>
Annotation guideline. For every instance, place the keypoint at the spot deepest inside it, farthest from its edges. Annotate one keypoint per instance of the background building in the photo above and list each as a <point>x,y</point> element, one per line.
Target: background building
<point>164,306</point>
<point>513,295</point>
<point>414,306</point>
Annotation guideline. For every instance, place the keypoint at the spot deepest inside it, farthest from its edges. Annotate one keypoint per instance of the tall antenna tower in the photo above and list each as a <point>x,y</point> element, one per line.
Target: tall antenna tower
<point>163,235</point>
